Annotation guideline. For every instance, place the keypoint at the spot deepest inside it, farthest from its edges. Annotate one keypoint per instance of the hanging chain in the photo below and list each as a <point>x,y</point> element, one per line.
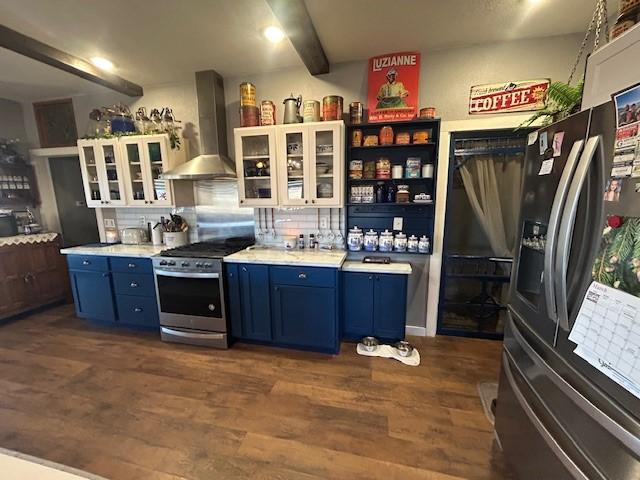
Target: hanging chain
<point>599,16</point>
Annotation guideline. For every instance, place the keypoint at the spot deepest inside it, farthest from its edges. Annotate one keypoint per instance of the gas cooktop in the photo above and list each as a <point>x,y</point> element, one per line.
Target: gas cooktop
<point>210,249</point>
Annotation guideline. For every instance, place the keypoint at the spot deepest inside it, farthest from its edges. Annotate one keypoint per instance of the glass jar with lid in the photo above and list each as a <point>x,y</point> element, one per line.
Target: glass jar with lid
<point>355,239</point>
<point>385,243</point>
<point>402,194</point>
<point>371,241</point>
<point>412,244</point>
<point>400,242</point>
<point>424,244</point>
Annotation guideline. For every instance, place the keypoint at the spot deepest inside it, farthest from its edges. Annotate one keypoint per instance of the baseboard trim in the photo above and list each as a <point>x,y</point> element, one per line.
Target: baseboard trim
<point>415,331</point>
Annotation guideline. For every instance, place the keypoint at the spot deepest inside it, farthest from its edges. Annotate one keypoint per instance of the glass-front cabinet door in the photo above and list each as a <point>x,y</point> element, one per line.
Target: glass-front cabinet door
<point>102,173</point>
<point>109,160</point>
<point>293,165</point>
<point>92,177</point>
<point>156,159</point>
<point>255,149</point>
<point>326,163</point>
<point>134,165</point>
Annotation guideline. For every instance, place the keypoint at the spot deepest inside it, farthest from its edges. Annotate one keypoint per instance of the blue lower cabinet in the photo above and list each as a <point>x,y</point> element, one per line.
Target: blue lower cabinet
<point>114,289</point>
<point>305,317</point>
<point>93,295</point>
<point>137,311</point>
<point>249,303</point>
<point>374,304</point>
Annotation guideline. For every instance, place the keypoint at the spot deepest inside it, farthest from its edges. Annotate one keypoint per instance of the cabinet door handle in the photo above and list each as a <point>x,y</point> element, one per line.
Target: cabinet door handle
<point>244,269</point>
<point>132,265</point>
<point>313,201</point>
<point>137,309</point>
<point>241,201</point>
<point>306,201</point>
<point>86,262</point>
<point>302,275</point>
<point>105,275</point>
<point>370,277</point>
<point>211,307</point>
<point>133,284</point>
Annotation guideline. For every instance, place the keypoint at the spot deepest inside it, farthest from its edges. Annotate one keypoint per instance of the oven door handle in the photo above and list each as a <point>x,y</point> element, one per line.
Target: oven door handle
<point>181,333</point>
<point>164,273</point>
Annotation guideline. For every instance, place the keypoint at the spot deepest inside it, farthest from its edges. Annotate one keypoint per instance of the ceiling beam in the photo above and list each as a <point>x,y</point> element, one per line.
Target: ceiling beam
<point>32,48</point>
<point>296,23</point>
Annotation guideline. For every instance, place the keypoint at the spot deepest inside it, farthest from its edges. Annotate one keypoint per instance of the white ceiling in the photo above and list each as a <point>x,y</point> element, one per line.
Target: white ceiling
<point>163,41</point>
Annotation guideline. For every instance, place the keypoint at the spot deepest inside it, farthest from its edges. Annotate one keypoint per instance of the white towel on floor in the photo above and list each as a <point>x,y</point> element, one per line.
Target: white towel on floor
<point>387,351</point>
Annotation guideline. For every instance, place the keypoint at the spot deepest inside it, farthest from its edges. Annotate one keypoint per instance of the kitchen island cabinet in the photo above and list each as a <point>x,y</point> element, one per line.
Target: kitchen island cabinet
<point>374,304</point>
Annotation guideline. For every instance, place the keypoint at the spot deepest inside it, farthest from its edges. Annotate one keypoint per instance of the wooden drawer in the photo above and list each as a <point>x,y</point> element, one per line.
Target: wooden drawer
<point>134,284</point>
<point>131,265</point>
<point>304,276</point>
<point>135,310</point>
<point>92,263</point>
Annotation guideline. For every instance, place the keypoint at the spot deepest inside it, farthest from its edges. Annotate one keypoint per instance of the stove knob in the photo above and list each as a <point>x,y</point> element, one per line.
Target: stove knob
<point>199,264</point>
<point>171,263</point>
<point>207,265</point>
<point>185,264</point>
<point>163,262</point>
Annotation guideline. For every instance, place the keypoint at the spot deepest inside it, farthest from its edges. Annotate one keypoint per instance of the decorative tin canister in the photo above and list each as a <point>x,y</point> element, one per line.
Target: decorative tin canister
<point>311,111</point>
<point>247,94</point>
<point>332,108</point>
<point>267,113</point>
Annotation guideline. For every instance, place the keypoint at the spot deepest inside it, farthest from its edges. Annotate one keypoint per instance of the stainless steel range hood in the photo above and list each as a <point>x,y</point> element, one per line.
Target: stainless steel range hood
<point>213,163</point>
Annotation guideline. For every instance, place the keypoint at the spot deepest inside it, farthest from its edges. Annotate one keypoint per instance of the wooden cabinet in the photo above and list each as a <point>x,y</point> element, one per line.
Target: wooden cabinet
<point>300,164</point>
<point>126,171</point>
<point>374,304</point>
<point>117,290</point>
<point>249,301</point>
<point>31,276</point>
<point>285,306</point>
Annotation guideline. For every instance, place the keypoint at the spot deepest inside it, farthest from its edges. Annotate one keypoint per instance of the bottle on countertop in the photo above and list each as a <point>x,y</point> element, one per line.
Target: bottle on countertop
<point>301,242</point>
<point>312,241</point>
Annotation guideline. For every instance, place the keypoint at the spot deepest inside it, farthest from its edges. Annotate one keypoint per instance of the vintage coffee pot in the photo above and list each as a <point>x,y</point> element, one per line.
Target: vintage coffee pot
<point>292,109</point>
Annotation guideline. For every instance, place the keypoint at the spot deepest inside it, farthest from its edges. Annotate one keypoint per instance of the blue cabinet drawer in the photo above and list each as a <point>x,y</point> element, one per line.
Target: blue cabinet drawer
<point>134,284</point>
<point>304,276</point>
<point>131,265</point>
<point>140,311</point>
<point>92,263</point>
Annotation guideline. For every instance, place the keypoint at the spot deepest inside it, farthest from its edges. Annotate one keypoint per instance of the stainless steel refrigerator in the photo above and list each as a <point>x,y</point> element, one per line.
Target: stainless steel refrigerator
<point>557,417</point>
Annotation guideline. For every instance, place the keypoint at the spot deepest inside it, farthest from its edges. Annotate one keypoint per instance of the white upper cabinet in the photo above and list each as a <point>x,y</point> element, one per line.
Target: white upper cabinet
<point>255,149</point>
<point>305,166</point>
<point>126,171</point>
<point>102,173</point>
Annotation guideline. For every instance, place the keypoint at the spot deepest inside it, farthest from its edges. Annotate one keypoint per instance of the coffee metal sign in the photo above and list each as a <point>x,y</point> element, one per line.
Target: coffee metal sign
<point>520,96</point>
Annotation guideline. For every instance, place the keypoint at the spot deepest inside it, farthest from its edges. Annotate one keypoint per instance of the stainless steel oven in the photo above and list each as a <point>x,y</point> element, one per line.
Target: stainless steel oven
<point>191,301</point>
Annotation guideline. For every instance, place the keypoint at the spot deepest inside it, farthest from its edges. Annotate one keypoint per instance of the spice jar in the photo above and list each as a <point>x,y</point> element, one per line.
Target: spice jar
<point>402,195</point>
<point>385,243</point>
<point>412,244</point>
<point>423,244</point>
<point>371,241</point>
<point>383,168</point>
<point>400,242</point>
<point>386,135</point>
<point>354,239</point>
<point>356,138</point>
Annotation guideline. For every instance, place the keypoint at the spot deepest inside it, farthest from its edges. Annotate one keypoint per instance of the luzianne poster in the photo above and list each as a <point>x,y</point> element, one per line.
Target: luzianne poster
<point>393,87</point>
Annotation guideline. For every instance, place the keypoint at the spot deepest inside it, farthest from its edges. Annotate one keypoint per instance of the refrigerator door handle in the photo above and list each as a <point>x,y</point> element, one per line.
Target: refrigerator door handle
<point>546,435</point>
<point>565,233</point>
<point>552,229</point>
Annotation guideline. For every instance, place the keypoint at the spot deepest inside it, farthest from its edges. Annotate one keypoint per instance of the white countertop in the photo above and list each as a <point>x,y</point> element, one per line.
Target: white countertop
<point>117,250</point>
<point>278,256</point>
<point>400,267</point>
<point>27,239</point>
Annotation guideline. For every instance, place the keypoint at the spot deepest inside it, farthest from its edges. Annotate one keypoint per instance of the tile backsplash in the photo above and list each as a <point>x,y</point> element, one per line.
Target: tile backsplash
<point>294,221</point>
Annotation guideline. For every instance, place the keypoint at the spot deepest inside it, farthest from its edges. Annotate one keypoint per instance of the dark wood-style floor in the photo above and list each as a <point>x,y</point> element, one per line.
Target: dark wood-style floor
<point>126,406</point>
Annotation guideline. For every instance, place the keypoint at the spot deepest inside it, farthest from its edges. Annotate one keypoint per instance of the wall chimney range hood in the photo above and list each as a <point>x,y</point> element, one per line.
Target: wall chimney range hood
<point>213,163</point>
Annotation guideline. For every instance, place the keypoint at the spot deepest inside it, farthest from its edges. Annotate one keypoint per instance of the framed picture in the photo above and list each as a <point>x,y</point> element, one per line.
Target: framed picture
<point>56,123</point>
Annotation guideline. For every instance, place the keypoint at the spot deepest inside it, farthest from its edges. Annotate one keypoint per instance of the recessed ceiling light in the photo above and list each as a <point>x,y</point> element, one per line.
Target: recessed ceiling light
<point>273,34</point>
<point>102,63</point>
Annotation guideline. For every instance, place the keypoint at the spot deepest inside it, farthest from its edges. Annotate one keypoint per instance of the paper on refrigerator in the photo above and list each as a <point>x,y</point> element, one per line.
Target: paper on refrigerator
<point>607,334</point>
